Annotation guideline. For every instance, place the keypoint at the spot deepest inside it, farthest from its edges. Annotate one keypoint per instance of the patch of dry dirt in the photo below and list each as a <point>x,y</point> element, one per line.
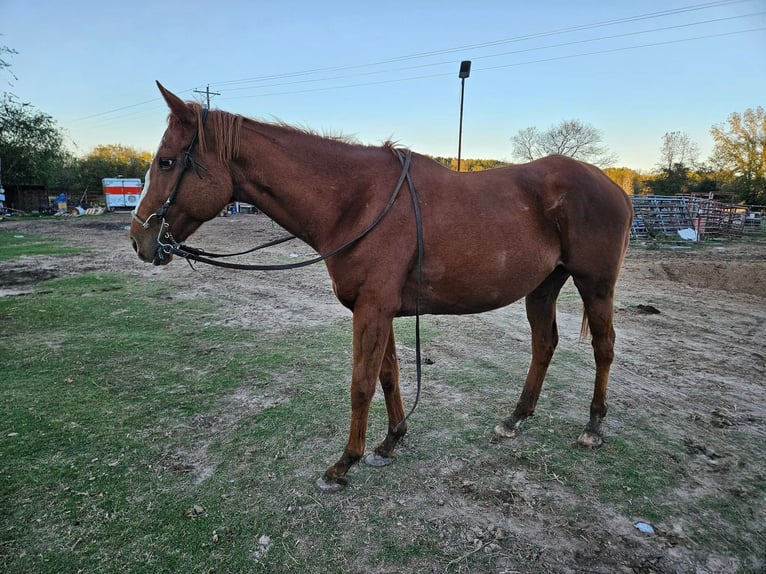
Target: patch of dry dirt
<point>691,325</point>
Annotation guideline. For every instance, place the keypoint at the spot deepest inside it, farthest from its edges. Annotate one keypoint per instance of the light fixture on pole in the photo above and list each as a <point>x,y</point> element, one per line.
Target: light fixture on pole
<point>465,71</point>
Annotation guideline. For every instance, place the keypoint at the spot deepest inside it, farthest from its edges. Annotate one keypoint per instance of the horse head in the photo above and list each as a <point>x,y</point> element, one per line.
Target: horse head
<point>187,183</point>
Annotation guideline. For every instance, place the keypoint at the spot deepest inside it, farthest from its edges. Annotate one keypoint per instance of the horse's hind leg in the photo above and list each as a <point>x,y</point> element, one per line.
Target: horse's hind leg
<point>541,313</point>
<point>397,425</point>
<point>598,297</point>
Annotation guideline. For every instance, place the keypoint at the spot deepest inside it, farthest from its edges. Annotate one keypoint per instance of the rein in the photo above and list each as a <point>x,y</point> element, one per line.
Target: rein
<point>405,161</point>
<point>200,256</point>
<point>168,245</point>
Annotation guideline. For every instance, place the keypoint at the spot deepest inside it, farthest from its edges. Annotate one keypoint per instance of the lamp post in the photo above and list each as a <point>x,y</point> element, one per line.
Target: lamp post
<point>465,71</point>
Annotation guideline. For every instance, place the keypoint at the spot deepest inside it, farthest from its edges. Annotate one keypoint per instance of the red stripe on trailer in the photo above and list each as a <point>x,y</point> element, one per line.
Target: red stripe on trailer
<point>123,190</point>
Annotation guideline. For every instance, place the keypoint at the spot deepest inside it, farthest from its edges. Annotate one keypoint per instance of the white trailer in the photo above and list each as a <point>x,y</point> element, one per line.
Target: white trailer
<point>121,192</point>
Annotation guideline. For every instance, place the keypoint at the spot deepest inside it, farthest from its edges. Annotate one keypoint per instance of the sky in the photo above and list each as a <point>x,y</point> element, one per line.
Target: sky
<point>376,71</point>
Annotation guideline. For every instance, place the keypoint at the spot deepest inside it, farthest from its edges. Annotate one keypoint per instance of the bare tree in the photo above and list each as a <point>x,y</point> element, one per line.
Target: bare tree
<point>525,144</point>
<point>571,138</point>
<point>5,65</point>
<point>677,149</point>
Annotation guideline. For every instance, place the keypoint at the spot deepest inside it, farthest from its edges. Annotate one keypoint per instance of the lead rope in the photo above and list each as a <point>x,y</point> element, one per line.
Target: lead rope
<point>419,275</point>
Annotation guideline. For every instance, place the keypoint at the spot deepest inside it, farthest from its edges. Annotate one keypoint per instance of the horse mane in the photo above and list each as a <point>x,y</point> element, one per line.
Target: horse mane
<point>226,128</point>
<point>339,137</point>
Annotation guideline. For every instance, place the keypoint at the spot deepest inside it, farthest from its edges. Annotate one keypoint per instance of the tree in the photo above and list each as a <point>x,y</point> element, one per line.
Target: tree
<point>112,161</point>
<point>673,181</point>
<point>526,146</point>
<point>677,148</point>
<point>740,148</point>
<point>5,65</point>
<point>628,179</point>
<point>571,138</point>
<point>470,164</point>
<point>677,156</point>
<point>31,145</point>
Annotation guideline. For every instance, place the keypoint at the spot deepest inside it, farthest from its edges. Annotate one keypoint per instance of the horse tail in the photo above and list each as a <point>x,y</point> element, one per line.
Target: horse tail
<point>584,328</point>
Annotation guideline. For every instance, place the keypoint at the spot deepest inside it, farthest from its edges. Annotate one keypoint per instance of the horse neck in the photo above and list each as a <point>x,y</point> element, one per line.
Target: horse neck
<point>304,182</point>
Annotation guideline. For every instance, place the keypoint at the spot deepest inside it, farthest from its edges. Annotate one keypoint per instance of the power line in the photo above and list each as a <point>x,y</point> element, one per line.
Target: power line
<point>429,54</point>
<point>522,38</point>
<point>496,55</point>
<point>106,121</point>
<point>625,48</point>
<point>120,109</point>
<point>525,63</point>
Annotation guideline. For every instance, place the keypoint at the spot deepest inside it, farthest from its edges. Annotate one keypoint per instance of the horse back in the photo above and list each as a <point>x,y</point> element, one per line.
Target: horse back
<point>492,237</point>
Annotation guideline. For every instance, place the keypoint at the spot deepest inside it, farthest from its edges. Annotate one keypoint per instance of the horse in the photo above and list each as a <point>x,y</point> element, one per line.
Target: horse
<point>463,243</point>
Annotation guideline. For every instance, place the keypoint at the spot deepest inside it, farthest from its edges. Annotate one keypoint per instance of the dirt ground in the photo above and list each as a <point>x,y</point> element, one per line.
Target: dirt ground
<point>690,325</point>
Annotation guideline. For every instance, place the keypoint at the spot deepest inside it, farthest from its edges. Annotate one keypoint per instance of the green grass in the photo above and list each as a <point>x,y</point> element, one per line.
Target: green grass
<point>124,408</point>
<point>14,245</point>
<point>106,386</point>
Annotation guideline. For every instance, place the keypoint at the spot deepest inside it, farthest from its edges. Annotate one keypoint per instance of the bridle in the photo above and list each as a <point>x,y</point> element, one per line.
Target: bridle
<point>164,237</point>
<point>169,246</point>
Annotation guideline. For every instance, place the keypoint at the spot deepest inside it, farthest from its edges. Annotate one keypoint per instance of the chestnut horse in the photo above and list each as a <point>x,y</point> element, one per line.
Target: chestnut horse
<point>485,240</point>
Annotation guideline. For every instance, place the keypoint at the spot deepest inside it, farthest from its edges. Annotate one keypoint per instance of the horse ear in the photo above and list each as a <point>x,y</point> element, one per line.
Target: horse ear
<point>177,106</point>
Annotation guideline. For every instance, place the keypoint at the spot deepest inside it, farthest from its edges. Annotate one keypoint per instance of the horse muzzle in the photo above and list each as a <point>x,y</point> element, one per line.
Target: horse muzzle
<point>147,247</point>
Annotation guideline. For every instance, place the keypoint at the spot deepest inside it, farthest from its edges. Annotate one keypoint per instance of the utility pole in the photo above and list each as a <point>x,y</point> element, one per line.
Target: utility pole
<point>207,93</point>
<point>465,71</point>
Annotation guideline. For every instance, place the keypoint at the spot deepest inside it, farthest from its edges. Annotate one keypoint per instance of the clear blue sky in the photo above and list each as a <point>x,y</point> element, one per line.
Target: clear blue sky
<point>379,70</point>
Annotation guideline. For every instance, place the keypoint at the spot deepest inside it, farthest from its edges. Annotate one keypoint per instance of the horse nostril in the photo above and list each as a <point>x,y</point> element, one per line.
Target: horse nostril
<point>135,245</point>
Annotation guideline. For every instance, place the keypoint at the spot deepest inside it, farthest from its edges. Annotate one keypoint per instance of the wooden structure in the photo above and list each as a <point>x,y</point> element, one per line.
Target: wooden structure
<point>27,198</point>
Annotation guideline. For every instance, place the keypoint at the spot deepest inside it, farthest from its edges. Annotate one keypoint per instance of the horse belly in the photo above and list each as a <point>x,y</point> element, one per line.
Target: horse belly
<point>473,283</point>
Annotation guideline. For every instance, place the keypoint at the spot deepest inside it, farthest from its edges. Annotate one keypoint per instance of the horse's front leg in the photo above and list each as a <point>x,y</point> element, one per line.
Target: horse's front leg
<point>397,425</point>
<point>371,333</point>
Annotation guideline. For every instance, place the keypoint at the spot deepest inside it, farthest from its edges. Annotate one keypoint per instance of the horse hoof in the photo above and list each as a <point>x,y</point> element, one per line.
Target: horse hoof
<point>374,459</point>
<point>330,486</point>
<point>589,439</point>
<point>502,431</point>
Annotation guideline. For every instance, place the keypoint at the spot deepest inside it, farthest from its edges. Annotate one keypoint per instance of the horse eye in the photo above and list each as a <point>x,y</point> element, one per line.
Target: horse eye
<point>166,163</point>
